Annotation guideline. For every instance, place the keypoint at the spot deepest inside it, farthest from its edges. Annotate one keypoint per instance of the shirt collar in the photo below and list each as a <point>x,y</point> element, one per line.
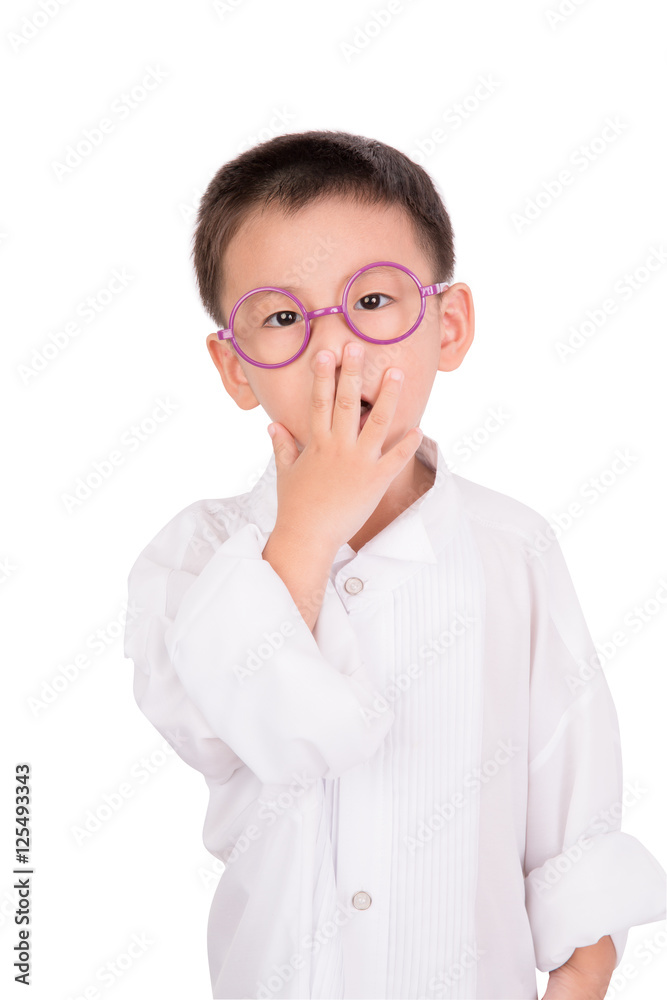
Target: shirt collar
<point>416,535</point>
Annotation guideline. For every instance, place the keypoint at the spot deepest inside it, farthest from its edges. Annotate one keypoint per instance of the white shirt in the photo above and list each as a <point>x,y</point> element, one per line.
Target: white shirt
<point>421,797</point>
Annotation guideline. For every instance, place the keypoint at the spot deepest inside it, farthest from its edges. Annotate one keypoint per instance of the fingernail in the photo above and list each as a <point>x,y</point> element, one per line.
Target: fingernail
<point>271,429</point>
<point>322,357</point>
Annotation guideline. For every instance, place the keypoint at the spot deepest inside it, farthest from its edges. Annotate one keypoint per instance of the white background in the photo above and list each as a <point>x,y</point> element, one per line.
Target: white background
<point>231,77</point>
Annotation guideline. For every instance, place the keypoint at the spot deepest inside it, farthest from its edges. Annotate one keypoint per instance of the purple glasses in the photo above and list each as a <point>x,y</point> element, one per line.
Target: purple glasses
<point>270,327</point>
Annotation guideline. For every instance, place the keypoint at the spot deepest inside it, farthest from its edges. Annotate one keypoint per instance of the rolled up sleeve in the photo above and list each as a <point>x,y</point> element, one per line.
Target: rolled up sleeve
<point>223,658</point>
<point>584,878</point>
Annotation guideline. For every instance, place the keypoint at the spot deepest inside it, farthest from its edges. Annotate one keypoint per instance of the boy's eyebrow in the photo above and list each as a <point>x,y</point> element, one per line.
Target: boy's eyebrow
<point>296,287</point>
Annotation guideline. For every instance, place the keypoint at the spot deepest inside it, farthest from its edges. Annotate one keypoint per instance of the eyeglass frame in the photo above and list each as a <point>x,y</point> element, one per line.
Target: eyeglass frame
<point>227,333</point>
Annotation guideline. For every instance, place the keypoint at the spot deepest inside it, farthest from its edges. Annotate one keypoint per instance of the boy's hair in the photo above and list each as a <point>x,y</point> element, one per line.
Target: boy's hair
<point>298,168</point>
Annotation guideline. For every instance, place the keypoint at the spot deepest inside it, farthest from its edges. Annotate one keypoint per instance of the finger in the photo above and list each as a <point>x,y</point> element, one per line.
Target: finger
<point>398,457</point>
<point>347,406</point>
<point>321,397</point>
<point>381,415</point>
<point>284,447</point>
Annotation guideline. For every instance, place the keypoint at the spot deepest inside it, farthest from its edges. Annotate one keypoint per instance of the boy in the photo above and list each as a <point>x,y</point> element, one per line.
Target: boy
<point>372,661</point>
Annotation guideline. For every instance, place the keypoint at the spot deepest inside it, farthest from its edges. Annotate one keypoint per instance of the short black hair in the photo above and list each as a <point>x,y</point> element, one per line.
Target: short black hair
<point>300,167</point>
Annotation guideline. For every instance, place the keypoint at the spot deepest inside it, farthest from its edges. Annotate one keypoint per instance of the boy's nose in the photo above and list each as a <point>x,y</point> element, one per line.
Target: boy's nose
<point>332,333</point>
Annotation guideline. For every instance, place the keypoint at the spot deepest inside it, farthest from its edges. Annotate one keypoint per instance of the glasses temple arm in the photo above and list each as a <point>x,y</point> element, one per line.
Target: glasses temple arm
<point>440,286</point>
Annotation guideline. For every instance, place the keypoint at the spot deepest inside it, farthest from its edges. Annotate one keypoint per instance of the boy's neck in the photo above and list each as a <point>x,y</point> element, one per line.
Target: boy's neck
<point>411,483</point>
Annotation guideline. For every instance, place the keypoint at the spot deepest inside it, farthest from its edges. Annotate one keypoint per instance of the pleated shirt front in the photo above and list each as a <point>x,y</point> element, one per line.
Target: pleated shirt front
<point>419,798</point>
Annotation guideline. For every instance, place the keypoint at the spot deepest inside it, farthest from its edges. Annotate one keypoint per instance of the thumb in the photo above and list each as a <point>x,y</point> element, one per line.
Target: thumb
<point>284,445</point>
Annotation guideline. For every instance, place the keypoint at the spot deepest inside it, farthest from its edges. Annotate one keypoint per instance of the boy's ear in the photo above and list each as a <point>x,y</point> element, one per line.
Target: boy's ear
<point>233,377</point>
<point>457,326</point>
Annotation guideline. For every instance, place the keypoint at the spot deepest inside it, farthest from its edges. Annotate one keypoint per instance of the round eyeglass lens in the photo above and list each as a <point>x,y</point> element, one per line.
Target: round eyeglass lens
<point>383,303</point>
<point>269,327</point>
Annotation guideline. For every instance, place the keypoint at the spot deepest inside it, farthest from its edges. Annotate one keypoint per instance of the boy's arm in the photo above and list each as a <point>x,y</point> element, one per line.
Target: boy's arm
<point>585,975</point>
<point>584,878</point>
<point>224,660</point>
<point>303,567</point>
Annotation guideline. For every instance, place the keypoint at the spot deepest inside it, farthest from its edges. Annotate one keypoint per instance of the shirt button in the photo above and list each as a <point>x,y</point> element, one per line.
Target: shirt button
<point>361,900</point>
<point>353,585</point>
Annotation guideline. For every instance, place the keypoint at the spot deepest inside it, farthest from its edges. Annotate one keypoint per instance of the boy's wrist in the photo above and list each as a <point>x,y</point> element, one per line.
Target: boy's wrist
<point>585,975</point>
<point>311,540</point>
<point>303,562</point>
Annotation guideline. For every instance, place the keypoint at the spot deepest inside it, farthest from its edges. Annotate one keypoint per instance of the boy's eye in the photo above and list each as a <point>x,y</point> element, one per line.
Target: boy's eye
<point>283,318</point>
<point>371,301</point>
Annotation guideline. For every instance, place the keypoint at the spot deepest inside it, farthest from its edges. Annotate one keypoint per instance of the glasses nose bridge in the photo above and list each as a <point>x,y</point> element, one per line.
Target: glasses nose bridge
<point>316,314</point>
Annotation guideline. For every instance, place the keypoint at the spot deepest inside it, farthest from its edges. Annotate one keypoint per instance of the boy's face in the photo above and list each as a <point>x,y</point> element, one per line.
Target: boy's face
<point>313,253</point>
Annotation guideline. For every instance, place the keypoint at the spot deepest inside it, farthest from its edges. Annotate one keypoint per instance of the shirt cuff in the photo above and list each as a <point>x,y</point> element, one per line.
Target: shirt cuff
<point>600,885</point>
<point>286,703</point>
